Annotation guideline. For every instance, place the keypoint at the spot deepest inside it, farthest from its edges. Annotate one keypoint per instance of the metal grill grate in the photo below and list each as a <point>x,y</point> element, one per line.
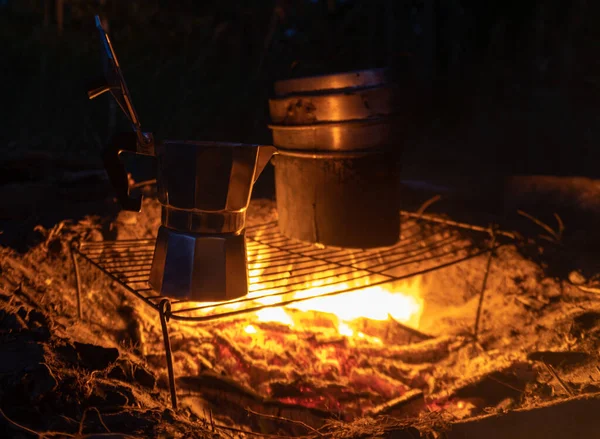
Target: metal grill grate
<point>283,271</point>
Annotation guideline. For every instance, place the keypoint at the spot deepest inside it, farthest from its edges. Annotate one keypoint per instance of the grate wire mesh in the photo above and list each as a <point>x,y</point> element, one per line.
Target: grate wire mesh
<point>284,271</point>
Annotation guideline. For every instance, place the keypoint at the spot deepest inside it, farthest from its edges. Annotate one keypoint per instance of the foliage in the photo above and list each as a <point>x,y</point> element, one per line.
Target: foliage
<point>206,69</point>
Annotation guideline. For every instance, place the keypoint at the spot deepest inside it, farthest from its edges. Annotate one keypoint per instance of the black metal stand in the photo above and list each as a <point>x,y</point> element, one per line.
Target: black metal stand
<point>165,315</point>
<point>428,244</point>
<point>74,251</point>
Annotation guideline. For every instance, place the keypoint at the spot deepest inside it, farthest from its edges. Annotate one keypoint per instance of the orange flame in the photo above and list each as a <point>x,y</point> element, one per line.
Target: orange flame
<point>378,302</point>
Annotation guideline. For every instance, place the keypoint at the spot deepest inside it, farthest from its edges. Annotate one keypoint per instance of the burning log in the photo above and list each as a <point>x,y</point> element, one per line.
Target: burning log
<point>428,351</point>
<point>390,331</point>
<point>409,404</point>
<point>222,391</point>
<point>573,417</point>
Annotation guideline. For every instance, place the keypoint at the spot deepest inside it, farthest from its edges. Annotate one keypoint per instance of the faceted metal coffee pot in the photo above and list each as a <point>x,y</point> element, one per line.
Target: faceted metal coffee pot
<point>204,189</point>
<point>340,140</point>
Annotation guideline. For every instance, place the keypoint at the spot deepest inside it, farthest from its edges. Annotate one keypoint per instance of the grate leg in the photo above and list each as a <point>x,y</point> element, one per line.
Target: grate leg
<point>74,250</point>
<point>485,279</point>
<point>165,314</point>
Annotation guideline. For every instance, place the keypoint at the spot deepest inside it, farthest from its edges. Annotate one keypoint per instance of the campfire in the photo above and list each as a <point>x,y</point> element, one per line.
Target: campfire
<point>318,324</point>
<point>383,278</point>
<point>327,353</point>
<point>431,330</point>
<point>331,332</point>
<point>327,331</point>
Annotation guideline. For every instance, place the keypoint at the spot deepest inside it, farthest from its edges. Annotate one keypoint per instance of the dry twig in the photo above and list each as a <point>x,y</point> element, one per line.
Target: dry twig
<point>143,183</point>
<point>280,418</point>
<point>396,403</point>
<point>439,220</point>
<point>428,203</point>
<point>564,385</point>
<point>554,235</point>
<point>588,289</point>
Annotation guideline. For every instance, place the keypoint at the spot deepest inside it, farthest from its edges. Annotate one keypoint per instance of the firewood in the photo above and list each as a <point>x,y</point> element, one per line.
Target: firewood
<point>310,387</point>
<point>390,331</point>
<point>554,358</point>
<point>225,342</point>
<point>413,398</point>
<point>225,391</point>
<point>569,418</point>
<point>208,383</point>
<point>428,351</point>
<point>19,267</point>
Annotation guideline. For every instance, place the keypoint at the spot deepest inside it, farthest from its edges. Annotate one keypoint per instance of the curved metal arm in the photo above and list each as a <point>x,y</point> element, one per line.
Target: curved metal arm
<point>116,170</point>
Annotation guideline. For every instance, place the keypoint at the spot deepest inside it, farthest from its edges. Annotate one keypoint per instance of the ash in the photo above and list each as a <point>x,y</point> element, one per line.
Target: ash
<point>537,344</point>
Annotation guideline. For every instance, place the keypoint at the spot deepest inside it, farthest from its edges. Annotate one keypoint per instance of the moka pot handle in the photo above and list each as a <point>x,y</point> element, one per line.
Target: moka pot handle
<point>117,175</point>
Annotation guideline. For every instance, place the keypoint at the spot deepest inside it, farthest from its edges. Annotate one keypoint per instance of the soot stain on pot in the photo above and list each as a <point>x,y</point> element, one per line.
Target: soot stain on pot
<point>343,169</point>
<point>301,112</point>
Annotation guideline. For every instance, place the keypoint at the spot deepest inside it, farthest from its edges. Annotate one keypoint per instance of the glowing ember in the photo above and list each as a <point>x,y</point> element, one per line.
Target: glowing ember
<point>274,315</point>
<point>327,351</point>
<point>375,303</point>
<point>380,302</point>
<point>250,329</point>
<point>346,330</point>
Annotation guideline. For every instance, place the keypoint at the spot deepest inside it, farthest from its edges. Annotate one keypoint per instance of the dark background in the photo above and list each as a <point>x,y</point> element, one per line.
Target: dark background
<point>510,86</point>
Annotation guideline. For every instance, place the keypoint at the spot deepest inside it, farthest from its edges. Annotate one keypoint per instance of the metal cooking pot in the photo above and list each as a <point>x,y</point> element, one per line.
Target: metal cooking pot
<point>336,174</point>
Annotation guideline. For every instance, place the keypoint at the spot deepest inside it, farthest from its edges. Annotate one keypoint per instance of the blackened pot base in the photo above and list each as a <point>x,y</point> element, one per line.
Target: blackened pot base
<point>344,202</point>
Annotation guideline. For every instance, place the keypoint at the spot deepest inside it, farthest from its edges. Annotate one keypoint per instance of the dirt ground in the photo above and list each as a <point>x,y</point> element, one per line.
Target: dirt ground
<point>537,343</point>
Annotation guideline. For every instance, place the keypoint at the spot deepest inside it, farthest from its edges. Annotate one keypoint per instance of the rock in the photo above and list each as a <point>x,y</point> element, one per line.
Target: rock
<point>110,394</point>
<point>95,357</point>
<point>118,373</point>
<point>66,352</point>
<point>144,377</point>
